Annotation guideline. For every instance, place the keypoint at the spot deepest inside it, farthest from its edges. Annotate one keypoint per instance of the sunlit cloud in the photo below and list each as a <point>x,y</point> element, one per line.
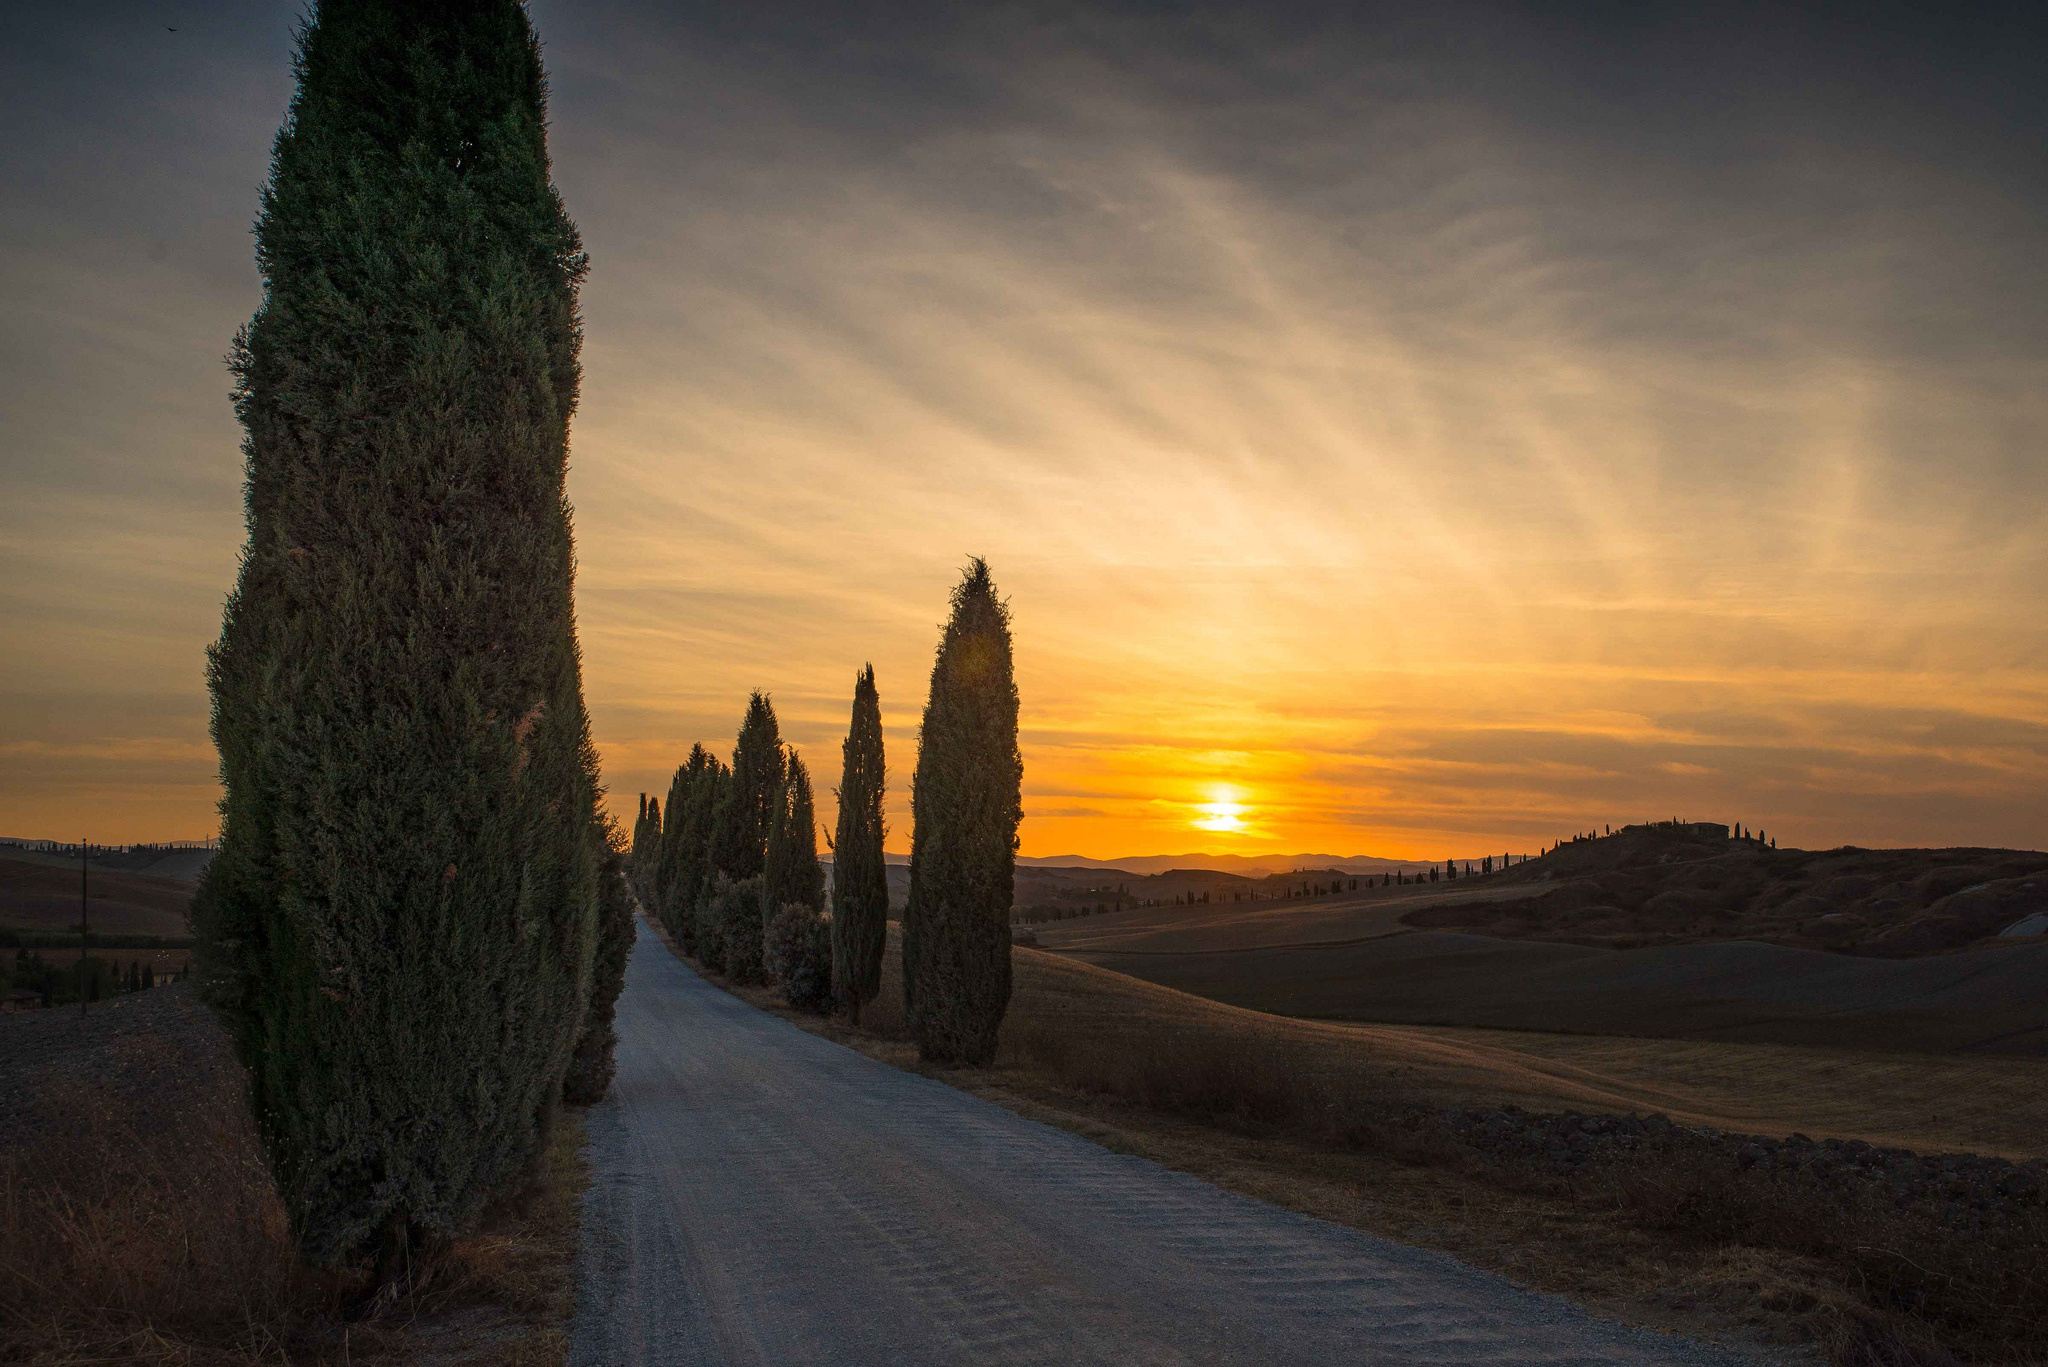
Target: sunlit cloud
<point>1355,419</point>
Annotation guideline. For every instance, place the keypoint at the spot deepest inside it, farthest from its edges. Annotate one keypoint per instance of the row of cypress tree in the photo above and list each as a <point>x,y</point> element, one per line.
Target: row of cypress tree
<point>415,927</point>
<point>734,848</point>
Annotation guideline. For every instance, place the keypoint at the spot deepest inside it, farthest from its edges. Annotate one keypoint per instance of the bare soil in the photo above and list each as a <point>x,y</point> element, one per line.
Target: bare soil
<point>36,895</point>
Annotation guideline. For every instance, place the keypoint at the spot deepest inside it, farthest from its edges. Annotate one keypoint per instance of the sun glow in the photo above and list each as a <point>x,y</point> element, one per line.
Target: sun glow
<point>1222,813</point>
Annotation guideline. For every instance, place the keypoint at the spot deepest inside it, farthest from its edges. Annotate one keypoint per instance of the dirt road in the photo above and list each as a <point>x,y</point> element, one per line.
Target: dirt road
<point>760,1195</point>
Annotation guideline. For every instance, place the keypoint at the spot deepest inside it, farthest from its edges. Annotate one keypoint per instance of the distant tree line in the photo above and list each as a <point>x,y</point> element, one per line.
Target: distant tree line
<point>90,977</point>
<point>728,860</point>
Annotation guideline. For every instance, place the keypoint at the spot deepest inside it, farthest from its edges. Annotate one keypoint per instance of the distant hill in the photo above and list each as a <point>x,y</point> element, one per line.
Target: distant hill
<point>1248,865</point>
<point>37,895</point>
<point>1652,886</point>
<point>1986,1001</point>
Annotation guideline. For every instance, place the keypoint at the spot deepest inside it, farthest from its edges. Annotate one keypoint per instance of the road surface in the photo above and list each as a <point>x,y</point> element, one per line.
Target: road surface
<point>761,1195</point>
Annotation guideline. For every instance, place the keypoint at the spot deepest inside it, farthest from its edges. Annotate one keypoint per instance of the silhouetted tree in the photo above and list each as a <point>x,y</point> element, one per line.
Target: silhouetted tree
<point>792,873</point>
<point>592,1064</point>
<point>860,877</point>
<point>739,837</point>
<point>646,849</point>
<point>669,838</point>
<point>399,925</point>
<point>966,803</point>
<point>799,950</point>
<point>741,840</point>
<point>741,915</point>
<point>690,856</point>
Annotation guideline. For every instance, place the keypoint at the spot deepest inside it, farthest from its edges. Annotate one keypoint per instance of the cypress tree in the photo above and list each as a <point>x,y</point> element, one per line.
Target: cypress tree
<point>647,851</point>
<point>691,883</point>
<point>592,1064</point>
<point>792,873</point>
<point>636,859</point>
<point>757,770</point>
<point>399,926</point>
<point>740,837</point>
<point>966,802</point>
<point>860,879</point>
<point>665,844</point>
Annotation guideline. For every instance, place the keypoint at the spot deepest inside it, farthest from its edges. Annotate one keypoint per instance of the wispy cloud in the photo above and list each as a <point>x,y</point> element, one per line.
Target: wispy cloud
<point>1400,419</point>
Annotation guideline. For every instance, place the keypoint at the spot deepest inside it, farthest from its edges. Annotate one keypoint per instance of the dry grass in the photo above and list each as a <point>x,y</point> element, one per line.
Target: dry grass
<point>1927,1102</point>
<point>168,1245</point>
<point>1297,1113</point>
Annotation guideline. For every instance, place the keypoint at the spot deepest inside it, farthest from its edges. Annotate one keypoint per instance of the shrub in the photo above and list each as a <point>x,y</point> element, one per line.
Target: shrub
<point>709,922</point>
<point>738,913</point>
<point>800,956</point>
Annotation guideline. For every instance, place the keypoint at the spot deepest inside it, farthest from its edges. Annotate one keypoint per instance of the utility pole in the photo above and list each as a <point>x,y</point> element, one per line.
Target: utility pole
<point>84,922</point>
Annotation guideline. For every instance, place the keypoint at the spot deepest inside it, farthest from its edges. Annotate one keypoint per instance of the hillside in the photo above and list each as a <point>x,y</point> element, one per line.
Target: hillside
<point>1989,1001</point>
<point>1646,887</point>
<point>1242,865</point>
<point>43,895</point>
<point>1986,1104</point>
<point>1650,933</point>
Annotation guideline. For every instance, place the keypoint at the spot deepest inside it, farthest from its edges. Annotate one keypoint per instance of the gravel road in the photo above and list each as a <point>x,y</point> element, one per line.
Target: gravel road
<point>761,1195</point>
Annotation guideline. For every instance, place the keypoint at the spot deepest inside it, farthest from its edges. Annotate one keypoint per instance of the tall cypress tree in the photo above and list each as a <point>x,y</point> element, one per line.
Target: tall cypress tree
<point>792,871</point>
<point>860,879</point>
<point>647,848</point>
<point>966,802</point>
<point>859,874</point>
<point>691,882</point>
<point>592,1064</point>
<point>742,838</point>
<point>399,926</point>
<point>670,836</point>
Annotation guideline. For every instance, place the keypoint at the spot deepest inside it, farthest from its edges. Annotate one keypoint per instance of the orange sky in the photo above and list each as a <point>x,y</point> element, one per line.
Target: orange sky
<point>1422,473</point>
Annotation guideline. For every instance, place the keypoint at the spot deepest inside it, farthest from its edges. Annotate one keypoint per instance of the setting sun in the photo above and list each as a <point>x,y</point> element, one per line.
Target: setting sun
<point>1222,813</point>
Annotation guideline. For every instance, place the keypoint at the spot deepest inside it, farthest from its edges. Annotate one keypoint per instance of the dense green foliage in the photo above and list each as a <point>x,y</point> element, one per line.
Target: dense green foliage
<point>399,927</point>
<point>739,837</point>
<point>966,802</point>
<point>860,879</point>
<point>800,956</point>
<point>707,935</point>
<point>693,813</point>
<point>669,834</point>
<point>740,844</point>
<point>646,848</point>
<point>792,873</point>
<point>733,926</point>
<point>592,1064</point>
